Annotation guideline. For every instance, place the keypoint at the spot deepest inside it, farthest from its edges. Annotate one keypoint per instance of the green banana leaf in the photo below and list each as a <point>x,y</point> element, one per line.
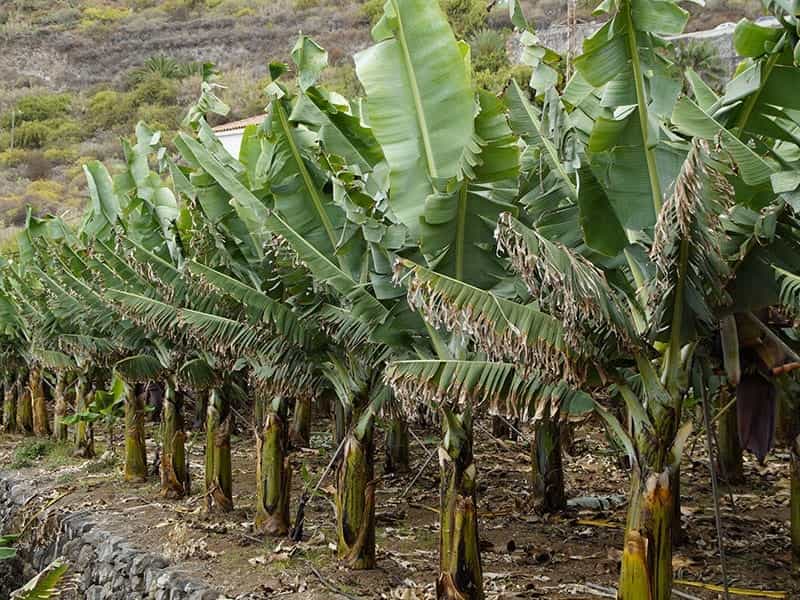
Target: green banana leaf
<point>420,103</point>
<point>458,223</point>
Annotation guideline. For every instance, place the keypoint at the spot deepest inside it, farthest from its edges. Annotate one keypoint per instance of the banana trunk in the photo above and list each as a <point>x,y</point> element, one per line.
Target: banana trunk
<point>355,502</point>
<point>24,406</point>
<point>9,407</point>
<point>396,447</point>
<point>174,467</point>
<point>218,475</point>
<point>135,449</point>
<point>273,474</point>
<point>60,429</point>
<point>548,472</point>
<point>647,556</point>
<point>300,431</point>
<point>84,435</point>
<point>460,572</point>
<point>795,505</point>
<point>41,423</point>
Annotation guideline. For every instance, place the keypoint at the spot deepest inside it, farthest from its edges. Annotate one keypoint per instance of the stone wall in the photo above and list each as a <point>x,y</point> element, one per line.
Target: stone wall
<point>103,565</point>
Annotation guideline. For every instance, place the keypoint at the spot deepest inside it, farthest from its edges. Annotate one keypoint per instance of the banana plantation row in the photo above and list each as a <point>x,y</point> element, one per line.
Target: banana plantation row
<point>600,239</point>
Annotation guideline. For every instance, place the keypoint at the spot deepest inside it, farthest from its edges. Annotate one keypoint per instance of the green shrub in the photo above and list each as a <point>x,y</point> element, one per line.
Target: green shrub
<point>108,110</point>
<point>496,80</point>
<point>30,6</point>
<point>31,134</point>
<point>466,16</point>
<point>304,4</point>
<point>161,118</point>
<point>343,79</point>
<point>45,197</point>
<point>488,48</point>
<point>38,107</point>
<point>181,8</point>
<point>94,15</point>
<point>243,93</point>
<point>372,10</point>
<point>65,131</point>
<point>45,191</point>
<point>40,134</point>
<point>13,158</point>
<point>64,17</point>
<point>142,4</point>
<point>62,155</point>
<point>29,452</point>
<point>154,89</point>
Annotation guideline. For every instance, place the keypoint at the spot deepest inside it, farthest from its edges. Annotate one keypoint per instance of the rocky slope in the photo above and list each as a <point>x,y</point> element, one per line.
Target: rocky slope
<point>79,57</point>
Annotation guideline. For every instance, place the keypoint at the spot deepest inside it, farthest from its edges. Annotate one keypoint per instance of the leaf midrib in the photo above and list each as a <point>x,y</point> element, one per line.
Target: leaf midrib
<point>415,93</point>
<point>641,102</point>
<point>461,219</point>
<point>309,184</point>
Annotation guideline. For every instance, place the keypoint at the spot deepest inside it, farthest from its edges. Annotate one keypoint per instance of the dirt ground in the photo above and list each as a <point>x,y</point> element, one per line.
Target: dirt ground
<point>525,555</point>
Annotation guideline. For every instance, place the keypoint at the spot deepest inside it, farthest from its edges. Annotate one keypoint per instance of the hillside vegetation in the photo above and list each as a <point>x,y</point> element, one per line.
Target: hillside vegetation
<point>80,73</point>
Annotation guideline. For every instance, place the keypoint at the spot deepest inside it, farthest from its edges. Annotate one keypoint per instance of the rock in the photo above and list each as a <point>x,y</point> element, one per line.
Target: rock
<point>108,547</point>
<point>105,573</point>
<point>163,580</point>
<point>18,494</point>
<point>96,592</point>
<point>85,556</point>
<point>162,595</point>
<point>105,566</point>
<point>204,595</point>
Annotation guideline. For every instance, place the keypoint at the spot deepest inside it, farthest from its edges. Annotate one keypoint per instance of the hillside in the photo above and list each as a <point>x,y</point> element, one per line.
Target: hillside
<point>86,45</point>
<point>81,73</point>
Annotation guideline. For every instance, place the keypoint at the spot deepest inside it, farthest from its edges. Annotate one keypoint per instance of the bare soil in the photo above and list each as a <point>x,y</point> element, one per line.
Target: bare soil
<point>525,555</point>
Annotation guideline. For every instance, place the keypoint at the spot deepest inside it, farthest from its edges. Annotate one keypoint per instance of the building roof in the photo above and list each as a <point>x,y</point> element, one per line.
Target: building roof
<point>236,125</point>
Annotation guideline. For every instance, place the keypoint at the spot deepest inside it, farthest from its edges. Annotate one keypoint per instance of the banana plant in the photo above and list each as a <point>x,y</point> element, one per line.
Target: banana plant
<point>218,476</point>
<point>12,336</point>
<point>24,405</point>
<point>273,470</point>
<point>257,281</point>
<point>420,103</point>
<point>581,334</point>
<point>756,126</point>
<point>629,140</point>
<point>105,408</point>
<point>303,221</point>
<point>9,404</point>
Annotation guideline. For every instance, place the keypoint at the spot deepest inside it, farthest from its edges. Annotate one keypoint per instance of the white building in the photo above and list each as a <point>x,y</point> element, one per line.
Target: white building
<point>230,134</point>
